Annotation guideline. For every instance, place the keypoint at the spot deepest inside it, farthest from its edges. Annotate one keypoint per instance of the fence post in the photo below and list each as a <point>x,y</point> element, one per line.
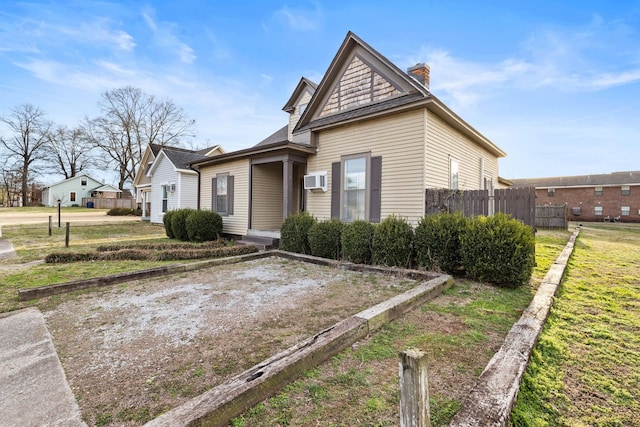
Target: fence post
<point>50,224</point>
<point>414,389</point>
<point>66,237</point>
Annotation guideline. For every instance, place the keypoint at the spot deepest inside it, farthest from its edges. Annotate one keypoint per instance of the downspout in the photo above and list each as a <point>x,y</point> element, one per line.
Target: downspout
<point>197,169</point>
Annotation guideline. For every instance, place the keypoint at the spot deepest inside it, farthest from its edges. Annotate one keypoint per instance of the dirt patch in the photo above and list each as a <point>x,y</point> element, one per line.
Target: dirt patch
<point>136,350</point>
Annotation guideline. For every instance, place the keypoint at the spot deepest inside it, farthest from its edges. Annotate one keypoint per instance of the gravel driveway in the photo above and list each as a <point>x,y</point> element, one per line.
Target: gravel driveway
<point>138,349</point>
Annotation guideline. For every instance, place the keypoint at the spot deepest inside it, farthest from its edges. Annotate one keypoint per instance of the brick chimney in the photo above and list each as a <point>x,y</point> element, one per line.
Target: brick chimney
<point>420,72</point>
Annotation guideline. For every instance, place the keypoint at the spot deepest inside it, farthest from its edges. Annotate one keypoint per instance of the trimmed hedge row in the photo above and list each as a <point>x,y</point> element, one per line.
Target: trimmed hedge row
<point>496,249</point>
<point>192,225</point>
<point>151,255</point>
<point>124,212</point>
<point>162,246</point>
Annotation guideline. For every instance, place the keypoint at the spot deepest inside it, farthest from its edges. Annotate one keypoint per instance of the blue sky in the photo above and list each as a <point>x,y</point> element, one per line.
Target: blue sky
<point>554,84</point>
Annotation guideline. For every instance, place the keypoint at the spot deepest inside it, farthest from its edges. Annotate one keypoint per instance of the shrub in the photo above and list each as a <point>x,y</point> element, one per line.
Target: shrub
<point>121,212</point>
<point>203,226</point>
<point>325,239</point>
<point>294,231</point>
<point>498,249</point>
<point>170,254</point>
<point>357,242</point>
<point>393,242</point>
<point>437,242</point>
<point>166,219</point>
<point>178,223</point>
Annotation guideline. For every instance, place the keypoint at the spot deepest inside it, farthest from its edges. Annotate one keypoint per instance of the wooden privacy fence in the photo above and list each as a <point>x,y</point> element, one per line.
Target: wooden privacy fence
<point>552,216</point>
<point>108,203</point>
<point>517,202</point>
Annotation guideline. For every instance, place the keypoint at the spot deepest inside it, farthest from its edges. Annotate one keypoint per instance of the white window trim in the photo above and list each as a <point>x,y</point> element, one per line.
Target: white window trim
<point>454,161</point>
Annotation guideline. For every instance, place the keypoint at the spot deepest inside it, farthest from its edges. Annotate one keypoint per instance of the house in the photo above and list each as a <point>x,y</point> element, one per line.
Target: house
<point>613,196</point>
<point>165,180</point>
<point>364,143</point>
<point>71,191</point>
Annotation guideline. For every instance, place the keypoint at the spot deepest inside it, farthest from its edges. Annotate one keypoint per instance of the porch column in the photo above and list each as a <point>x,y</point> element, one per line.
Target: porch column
<point>287,188</point>
<point>144,204</point>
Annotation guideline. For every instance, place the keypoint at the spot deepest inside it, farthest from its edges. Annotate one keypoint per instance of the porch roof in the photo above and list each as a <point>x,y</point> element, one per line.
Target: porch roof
<point>256,150</point>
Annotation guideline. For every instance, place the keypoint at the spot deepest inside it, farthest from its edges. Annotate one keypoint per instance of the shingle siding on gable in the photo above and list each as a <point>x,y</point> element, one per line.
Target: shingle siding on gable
<point>399,140</point>
<point>359,85</point>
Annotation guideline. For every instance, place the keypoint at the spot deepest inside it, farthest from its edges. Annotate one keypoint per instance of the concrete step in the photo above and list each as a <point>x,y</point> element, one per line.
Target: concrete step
<point>261,242</point>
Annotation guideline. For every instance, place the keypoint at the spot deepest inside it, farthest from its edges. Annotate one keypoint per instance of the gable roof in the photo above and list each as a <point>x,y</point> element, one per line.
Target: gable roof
<point>353,47</point>
<point>106,188</point>
<point>599,180</point>
<point>303,85</point>
<point>402,92</point>
<point>72,179</point>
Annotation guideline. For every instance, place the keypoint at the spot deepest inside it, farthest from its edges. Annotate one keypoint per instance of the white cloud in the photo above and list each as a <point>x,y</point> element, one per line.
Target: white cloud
<point>300,19</point>
<point>165,36</point>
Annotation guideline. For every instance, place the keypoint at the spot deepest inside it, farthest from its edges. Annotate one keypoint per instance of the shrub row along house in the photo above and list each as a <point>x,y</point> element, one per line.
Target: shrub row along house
<point>364,143</point>
<point>604,197</point>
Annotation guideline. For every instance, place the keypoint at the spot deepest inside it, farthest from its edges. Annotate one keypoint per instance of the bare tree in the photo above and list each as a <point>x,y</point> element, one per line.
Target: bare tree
<point>28,143</point>
<point>70,151</point>
<point>130,120</point>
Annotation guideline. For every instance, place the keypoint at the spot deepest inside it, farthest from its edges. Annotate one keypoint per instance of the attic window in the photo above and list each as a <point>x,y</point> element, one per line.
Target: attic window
<point>83,181</point>
<point>301,108</point>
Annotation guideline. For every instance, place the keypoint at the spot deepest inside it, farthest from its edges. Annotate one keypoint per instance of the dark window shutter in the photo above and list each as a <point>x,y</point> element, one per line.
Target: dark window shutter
<point>335,190</point>
<point>230,195</point>
<point>214,194</point>
<point>376,184</point>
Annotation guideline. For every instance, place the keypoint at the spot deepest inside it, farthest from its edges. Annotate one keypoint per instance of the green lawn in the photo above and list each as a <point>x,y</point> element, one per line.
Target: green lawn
<point>460,331</point>
<point>32,242</point>
<point>585,370</point>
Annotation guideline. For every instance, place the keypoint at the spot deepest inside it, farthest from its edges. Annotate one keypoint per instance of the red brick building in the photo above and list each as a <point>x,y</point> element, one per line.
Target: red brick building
<point>606,197</point>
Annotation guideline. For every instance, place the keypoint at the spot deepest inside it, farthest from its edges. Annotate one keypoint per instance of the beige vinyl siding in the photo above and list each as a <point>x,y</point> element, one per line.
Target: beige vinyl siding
<point>444,142</point>
<point>295,115</point>
<point>399,139</point>
<point>267,197</point>
<point>239,221</point>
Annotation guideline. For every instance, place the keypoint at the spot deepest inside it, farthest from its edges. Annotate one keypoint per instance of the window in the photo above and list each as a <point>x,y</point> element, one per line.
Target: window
<point>356,183</point>
<point>597,210</point>
<point>576,210</point>
<point>625,190</point>
<point>551,192</point>
<point>301,108</point>
<point>83,181</point>
<point>72,196</point>
<point>454,173</point>
<point>165,197</point>
<point>146,171</point>
<point>222,194</point>
<point>625,211</point>
<point>598,191</point>
<point>354,190</point>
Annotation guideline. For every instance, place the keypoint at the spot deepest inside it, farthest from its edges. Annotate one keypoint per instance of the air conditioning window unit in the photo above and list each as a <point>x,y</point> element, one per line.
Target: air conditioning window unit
<point>316,181</point>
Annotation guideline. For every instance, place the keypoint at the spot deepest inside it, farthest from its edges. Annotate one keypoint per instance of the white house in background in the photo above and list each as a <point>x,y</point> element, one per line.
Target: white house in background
<point>165,181</point>
<point>71,191</point>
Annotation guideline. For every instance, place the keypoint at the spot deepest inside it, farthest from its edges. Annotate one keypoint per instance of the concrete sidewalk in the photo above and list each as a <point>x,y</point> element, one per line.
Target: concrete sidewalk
<point>33,386</point>
<point>6,249</point>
